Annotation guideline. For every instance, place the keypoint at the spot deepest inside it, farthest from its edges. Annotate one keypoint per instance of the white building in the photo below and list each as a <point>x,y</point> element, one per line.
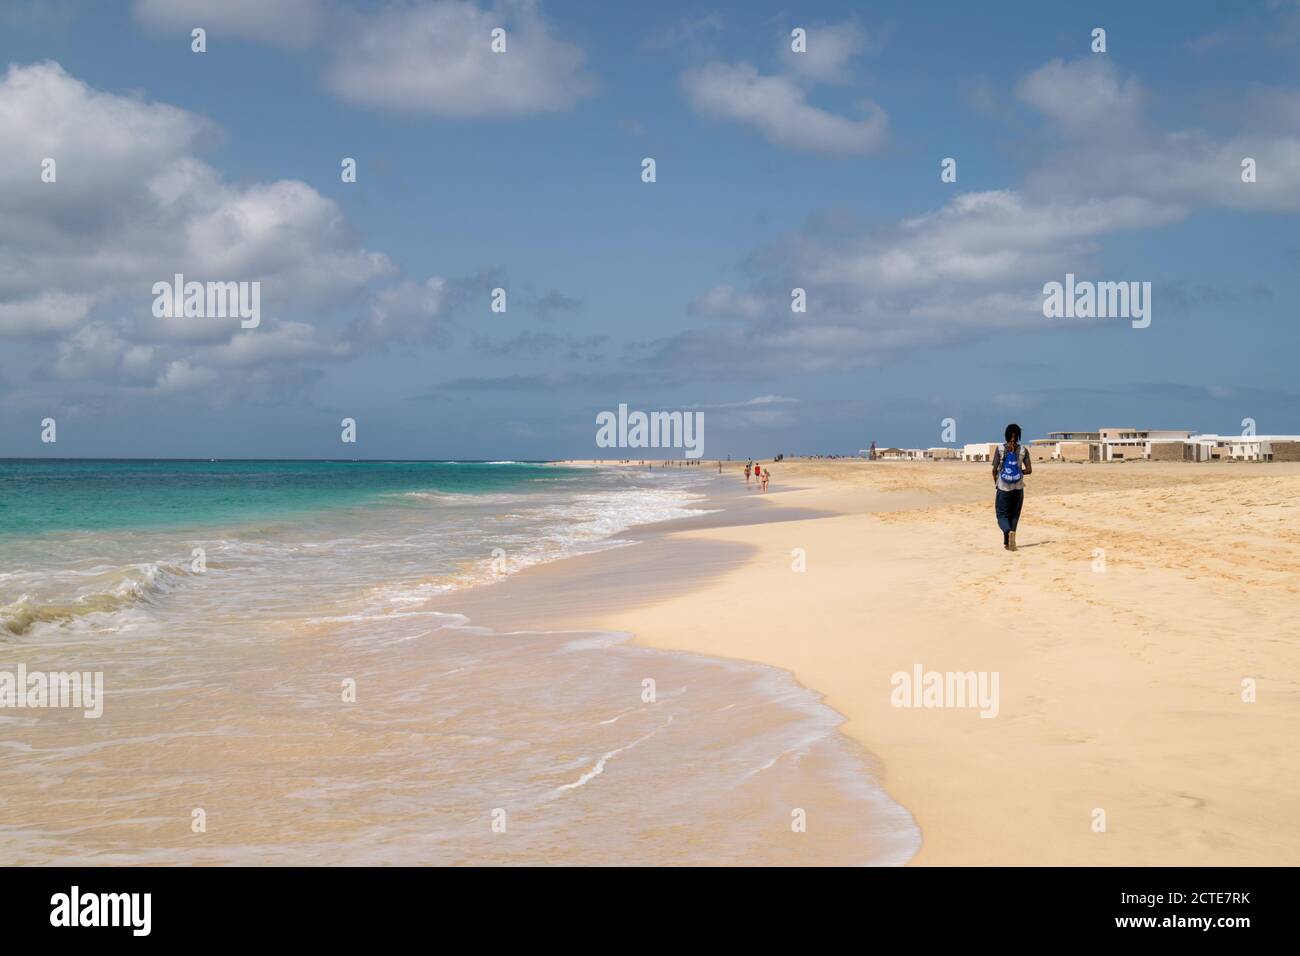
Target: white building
<point>1239,447</point>
<point>1121,444</point>
<point>981,451</point>
<point>1128,444</point>
<point>900,454</point>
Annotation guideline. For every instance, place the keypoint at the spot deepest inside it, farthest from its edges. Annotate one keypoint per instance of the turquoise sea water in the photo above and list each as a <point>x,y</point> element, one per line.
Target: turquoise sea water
<point>96,494</point>
<point>123,544</point>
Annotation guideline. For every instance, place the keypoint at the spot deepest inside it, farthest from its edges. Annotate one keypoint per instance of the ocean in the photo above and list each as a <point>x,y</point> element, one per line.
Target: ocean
<point>278,690</point>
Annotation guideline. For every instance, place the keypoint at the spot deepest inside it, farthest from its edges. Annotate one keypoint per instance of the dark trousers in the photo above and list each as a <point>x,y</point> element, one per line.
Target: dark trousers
<point>1008,507</point>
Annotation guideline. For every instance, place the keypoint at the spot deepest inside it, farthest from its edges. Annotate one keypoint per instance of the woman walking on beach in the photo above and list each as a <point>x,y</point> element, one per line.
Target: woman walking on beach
<point>1011,462</point>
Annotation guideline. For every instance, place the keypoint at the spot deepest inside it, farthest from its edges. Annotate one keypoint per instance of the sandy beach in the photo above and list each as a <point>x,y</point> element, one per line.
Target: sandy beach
<point>1141,598</point>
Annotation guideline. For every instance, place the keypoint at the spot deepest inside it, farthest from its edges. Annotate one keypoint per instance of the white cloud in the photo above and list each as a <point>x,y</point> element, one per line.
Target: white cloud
<point>436,59</point>
<point>285,342</point>
<point>1085,95</point>
<point>289,23</point>
<point>1108,147</point>
<point>973,266</point>
<point>975,239</point>
<point>977,264</point>
<point>98,351</point>
<point>42,315</point>
<point>180,377</point>
<point>778,108</point>
<point>132,206</point>
<point>406,312</point>
<point>830,47</point>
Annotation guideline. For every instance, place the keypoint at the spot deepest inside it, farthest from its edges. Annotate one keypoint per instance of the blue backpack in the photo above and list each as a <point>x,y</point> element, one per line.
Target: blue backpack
<point>1010,472</point>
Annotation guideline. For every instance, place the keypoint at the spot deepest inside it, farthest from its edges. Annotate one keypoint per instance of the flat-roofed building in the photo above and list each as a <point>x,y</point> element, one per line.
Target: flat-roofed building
<point>1072,445</point>
<point>1247,447</point>
<point>900,454</point>
<point>1166,444</point>
<point>1170,451</point>
<point>979,451</point>
<point>1121,444</point>
<point>1077,451</point>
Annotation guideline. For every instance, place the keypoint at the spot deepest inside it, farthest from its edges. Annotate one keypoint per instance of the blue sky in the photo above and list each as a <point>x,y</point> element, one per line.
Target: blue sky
<point>522,171</point>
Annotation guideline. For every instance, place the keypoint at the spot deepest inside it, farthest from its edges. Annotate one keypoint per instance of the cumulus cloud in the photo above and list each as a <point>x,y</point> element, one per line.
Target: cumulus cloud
<point>1084,96</point>
<point>830,48</point>
<point>43,315</point>
<point>412,313</point>
<point>431,57</point>
<point>778,108</point>
<point>978,263</point>
<point>436,59</point>
<point>180,376</point>
<point>1108,146</point>
<point>976,238</point>
<point>132,205</point>
<point>975,265</point>
<point>98,351</point>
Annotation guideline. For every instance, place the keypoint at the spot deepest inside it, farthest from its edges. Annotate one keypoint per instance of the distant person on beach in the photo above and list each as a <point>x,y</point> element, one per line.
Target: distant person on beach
<point>749,466</point>
<point>1011,462</point>
<point>766,475</point>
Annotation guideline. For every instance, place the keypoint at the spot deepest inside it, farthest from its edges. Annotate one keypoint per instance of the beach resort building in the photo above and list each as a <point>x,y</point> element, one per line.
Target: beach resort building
<point>900,454</point>
<point>1117,444</point>
<point>1246,447</point>
<point>1066,446</point>
<point>981,451</point>
<point>1154,444</point>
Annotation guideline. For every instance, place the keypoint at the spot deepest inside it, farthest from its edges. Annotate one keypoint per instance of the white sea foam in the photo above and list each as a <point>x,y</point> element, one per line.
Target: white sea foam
<point>599,766</point>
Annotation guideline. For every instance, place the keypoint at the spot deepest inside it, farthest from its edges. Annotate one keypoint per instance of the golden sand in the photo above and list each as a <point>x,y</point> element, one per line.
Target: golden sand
<point>1142,597</point>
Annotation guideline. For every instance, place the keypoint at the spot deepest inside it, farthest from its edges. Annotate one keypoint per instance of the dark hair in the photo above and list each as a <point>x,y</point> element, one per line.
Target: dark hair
<point>1012,429</point>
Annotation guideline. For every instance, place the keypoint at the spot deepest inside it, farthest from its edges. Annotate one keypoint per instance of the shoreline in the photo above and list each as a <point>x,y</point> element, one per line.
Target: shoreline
<point>576,594</point>
<point>1119,694</point>
<point>365,723</point>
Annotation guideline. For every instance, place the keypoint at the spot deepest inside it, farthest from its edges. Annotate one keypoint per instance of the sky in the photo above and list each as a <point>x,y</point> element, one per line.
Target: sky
<point>522,170</point>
